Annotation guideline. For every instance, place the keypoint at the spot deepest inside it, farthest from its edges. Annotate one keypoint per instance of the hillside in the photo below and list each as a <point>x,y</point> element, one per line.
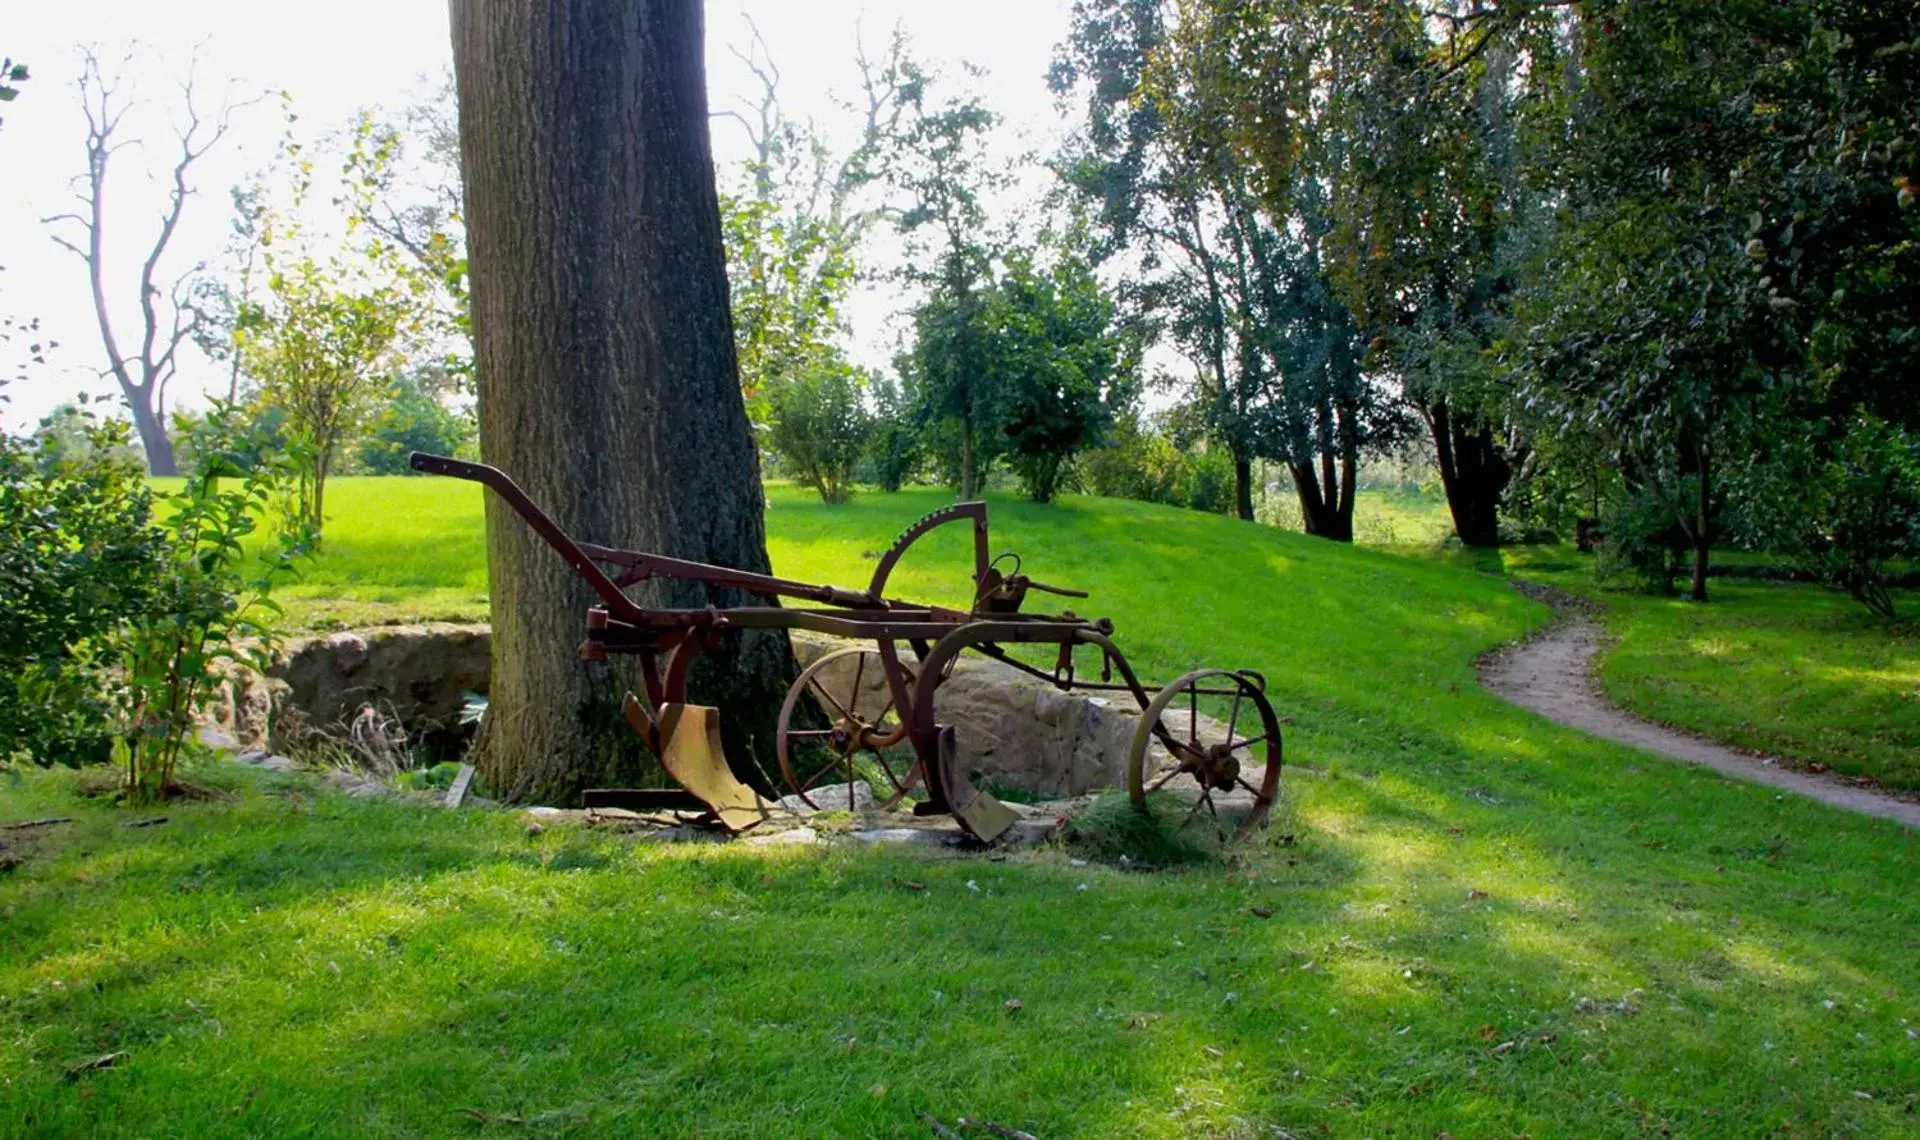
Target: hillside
<point>1485,925</point>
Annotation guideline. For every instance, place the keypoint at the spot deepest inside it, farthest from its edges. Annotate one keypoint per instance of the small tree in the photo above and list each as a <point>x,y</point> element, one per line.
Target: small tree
<point>324,352</point>
<point>895,444</point>
<point>1062,365</point>
<point>324,336</point>
<point>209,604</point>
<point>821,427</point>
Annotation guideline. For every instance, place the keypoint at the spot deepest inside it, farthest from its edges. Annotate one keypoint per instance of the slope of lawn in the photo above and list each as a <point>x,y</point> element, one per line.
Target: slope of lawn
<point>1486,925</point>
<point>1802,673</point>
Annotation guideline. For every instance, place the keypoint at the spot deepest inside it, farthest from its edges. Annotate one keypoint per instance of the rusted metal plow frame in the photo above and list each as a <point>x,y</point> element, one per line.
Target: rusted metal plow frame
<point>685,737</point>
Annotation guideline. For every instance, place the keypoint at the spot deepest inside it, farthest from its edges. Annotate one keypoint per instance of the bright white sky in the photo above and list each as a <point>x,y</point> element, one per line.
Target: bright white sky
<point>344,54</point>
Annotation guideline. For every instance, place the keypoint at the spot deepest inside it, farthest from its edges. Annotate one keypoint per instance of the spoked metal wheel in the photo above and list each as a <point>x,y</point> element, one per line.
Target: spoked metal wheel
<point>1222,762</point>
<point>865,729</point>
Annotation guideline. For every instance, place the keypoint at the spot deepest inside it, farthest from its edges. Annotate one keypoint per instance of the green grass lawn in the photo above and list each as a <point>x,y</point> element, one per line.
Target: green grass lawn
<point>1800,672</point>
<point>1488,925</point>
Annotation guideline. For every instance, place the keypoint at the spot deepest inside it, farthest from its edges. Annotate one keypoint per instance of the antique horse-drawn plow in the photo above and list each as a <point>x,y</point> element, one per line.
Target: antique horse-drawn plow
<point>854,725</point>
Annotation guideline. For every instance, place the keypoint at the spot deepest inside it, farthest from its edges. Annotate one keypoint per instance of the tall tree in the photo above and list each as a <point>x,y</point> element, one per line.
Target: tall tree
<point>795,214</point>
<point>1234,257</point>
<point>604,354</point>
<point>941,173</point>
<point>144,367</point>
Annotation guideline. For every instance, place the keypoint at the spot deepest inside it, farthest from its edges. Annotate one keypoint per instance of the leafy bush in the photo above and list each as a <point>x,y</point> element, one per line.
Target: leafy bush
<point>116,604</point>
<point>1145,465</point>
<point>210,601</point>
<point>1840,505</point>
<point>820,428</point>
<point>1643,543</point>
<point>78,554</point>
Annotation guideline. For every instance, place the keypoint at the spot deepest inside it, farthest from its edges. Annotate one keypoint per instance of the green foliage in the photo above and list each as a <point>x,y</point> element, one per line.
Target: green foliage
<point>1112,830</point>
<point>1235,259</point>
<point>326,330</point>
<point>1147,465</point>
<point>413,420</point>
<point>1643,543</point>
<point>1841,502</point>
<point>821,428</point>
<point>895,443</point>
<point>78,557</point>
<point>210,603</point>
<point>1060,364</point>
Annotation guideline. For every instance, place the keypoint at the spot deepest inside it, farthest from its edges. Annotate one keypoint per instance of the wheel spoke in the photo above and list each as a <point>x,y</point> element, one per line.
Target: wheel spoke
<point>1193,713</point>
<point>810,732</point>
<point>1249,742</point>
<point>1233,721</point>
<point>1195,809</point>
<point>859,672</point>
<point>1162,781</point>
<point>821,690</point>
<point>1257,793</point>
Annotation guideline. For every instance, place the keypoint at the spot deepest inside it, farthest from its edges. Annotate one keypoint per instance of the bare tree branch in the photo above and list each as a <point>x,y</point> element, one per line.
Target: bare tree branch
<point>143,377</point>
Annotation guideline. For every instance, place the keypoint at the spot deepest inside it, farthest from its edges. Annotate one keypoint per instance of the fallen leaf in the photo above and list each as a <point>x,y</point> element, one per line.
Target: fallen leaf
<point>1263,911</point>
<point>909,884</point>
<point>1214,1051</point>
<point>1488,1033</point>
<point>1476,894</point>
<point>1014,1005</point>
<point>1503,1047</point>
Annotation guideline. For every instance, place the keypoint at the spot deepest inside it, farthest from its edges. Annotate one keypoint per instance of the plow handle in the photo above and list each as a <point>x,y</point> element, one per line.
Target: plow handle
<point>543,525</point>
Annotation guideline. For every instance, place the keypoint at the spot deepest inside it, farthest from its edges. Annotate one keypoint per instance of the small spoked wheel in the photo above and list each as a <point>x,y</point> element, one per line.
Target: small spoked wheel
<point>861,740</point>
<point>1230,765</point>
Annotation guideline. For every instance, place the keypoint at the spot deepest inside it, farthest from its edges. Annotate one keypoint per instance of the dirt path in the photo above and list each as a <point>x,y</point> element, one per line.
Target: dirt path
<point>1551,674</point>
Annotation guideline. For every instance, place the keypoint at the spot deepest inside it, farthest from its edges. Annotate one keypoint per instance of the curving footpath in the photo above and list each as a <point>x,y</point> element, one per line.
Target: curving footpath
<point>1552,675</point>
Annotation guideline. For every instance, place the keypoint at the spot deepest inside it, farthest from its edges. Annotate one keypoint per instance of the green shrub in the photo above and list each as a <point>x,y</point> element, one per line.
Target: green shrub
<point>412,421</point>
<point>1643,542</point>
<point>1841,505</point>
<point>78,555</point>
<point>820,428</point>
<point>1145,465</point>
<point>210,598</point>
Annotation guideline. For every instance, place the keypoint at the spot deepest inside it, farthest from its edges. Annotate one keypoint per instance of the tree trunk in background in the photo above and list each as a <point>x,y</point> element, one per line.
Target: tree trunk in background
<point>604,358</point>
<point>1473,470</point>
<point>1243,488</point>
<point>1325,511</point>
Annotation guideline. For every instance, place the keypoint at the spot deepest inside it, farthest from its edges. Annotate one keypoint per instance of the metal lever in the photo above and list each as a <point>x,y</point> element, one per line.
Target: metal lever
<point>1063,591</point>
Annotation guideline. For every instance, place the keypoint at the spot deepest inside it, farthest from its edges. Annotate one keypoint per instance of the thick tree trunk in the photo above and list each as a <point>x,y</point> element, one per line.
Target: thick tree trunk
<point>1243,488</point>
<point>1473,470</point>
<point>604,359</point>
<point>1323,511</point>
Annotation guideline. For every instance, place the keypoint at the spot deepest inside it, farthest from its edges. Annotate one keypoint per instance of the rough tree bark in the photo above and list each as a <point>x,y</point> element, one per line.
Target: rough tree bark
<point>604,357</point>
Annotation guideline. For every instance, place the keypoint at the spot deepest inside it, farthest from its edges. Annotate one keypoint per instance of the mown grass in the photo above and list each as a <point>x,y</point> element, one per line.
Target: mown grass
<point>1487,925</point>
<point>1793,670</point>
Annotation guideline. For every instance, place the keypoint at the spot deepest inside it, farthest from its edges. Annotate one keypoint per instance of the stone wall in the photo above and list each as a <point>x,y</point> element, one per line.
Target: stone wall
<point>417,675</point>
<point>1012,730</point>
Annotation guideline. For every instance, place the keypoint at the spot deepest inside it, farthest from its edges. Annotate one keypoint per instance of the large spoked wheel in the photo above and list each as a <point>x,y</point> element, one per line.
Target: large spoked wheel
<point>1223,763</point>
<point>861,741</point>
